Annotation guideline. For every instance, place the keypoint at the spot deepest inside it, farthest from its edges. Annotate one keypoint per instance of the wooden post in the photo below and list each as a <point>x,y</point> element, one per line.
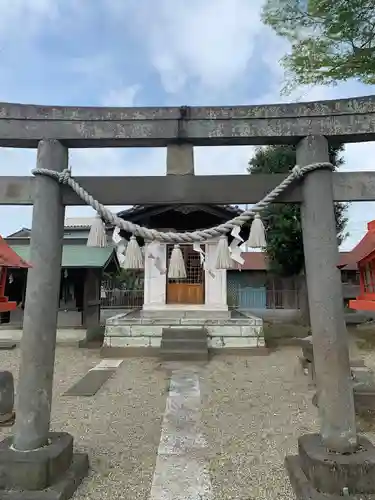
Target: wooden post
<point>330,338</point>
<point>42,299</point>
<point>91,299</point>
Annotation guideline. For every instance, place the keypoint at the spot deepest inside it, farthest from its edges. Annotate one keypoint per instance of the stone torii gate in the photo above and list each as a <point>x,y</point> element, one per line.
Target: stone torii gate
<point>336,461</point>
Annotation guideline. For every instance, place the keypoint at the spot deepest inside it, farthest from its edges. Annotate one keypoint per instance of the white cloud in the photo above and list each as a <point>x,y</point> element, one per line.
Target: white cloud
<point>198,49</point>
<point>210,42</point>
<point>122,97</point>
<point>222,160</point>
<point>24,18</point>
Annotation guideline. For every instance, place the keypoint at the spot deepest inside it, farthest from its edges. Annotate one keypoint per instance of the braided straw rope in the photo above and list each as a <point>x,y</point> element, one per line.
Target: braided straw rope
<point>64,177</point>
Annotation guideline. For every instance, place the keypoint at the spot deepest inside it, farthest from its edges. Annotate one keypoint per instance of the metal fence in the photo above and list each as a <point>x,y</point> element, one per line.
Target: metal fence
<point>127,299</point>
<point>261,298</point>
<point>239,298</point>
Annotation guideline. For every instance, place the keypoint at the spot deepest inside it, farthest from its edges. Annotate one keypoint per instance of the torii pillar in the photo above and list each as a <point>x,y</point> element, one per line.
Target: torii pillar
<point>335,462</point>
<point>37,463</point>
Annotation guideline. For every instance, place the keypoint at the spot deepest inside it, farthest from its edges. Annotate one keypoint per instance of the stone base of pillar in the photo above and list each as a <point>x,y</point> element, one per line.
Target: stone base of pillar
<point>50,472</point>
<point>7,415</point>
<point>8,419</point>
<point>318,474</point>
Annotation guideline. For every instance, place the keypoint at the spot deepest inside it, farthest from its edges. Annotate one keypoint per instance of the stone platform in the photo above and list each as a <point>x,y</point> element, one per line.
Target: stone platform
<point>225,330</point>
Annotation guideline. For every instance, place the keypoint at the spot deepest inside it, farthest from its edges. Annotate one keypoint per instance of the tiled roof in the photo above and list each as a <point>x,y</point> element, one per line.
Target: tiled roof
<point>10,258</point>
<point>235,209</point>
<point>257,261</point>
<point>254,261</point>
<point>78,222</point>
<point>359,252</point>
<point>346,263</point>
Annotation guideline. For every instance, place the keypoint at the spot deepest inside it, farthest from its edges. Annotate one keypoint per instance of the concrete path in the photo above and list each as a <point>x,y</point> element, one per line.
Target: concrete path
<point>181,470</point>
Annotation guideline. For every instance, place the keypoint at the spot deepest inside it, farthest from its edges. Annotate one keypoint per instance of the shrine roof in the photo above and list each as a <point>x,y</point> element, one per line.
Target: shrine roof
<point>138,208</point>
<point>10,258</point>
<point>257,261</point>
<point>362,250</point>
<point>254,261</point>
<point>85,222</point>
<point>232,210</point>
<point>78,222</point>
<point>76,256</point>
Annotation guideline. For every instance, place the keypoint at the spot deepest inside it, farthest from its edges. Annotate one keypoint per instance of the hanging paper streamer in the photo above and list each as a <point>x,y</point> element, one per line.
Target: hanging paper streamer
<point>116,238</point>
<point>235,247</point>
<point>197,248</point>
<point>210,271</point>
<point>120,244</point>
<point>236,234</point>
<point>155,253</point>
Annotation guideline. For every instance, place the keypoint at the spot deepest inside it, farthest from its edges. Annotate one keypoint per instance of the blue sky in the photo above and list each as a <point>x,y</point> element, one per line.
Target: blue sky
<point>142,53</point>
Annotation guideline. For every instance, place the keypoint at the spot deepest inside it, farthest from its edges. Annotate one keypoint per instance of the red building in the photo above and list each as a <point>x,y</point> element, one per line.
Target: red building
<point>8,258</point>
<point>363,255</point>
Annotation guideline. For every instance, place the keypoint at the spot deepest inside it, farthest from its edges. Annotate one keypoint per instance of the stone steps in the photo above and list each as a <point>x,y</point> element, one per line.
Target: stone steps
<point>177,355</point>
<point>170,333</point>
<point>184,344</point>
<point>180,344</point>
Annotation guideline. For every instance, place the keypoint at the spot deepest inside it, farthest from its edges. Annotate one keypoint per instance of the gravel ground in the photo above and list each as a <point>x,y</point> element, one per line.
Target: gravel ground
<point>253,410</point>
<point>119,427</point>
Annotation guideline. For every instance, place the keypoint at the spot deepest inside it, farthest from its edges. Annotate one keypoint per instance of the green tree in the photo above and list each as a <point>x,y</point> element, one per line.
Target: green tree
<point>331,40</point>
<point>126,278</point>
<point>283,221</point>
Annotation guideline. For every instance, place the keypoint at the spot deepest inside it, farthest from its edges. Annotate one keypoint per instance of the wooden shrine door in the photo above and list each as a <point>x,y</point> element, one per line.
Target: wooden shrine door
<point>189,290</point>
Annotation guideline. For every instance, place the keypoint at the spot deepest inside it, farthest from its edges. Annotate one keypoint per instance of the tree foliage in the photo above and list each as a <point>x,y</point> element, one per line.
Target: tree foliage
<point>331,40</point>
<point>283,221</point>
<point>125,279</point>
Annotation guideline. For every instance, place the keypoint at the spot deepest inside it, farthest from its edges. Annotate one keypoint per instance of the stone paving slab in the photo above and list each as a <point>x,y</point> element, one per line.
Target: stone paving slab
<point>7,345</point>
<point>90,383</point>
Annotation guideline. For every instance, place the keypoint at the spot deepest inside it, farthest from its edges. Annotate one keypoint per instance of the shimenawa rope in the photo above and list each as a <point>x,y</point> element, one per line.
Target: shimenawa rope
<point>64,177</point>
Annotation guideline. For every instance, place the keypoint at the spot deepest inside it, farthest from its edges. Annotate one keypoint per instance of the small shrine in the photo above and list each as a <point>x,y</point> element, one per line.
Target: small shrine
<point>8,259</point>
<point>364,256</point>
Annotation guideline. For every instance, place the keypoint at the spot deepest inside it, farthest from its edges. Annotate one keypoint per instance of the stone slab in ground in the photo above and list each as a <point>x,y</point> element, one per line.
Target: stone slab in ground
<point>90,383</point>
<point>7,344</point>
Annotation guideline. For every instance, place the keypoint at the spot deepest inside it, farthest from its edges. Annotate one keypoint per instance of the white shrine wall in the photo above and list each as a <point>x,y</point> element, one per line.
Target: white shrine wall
<point>155,283</point>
